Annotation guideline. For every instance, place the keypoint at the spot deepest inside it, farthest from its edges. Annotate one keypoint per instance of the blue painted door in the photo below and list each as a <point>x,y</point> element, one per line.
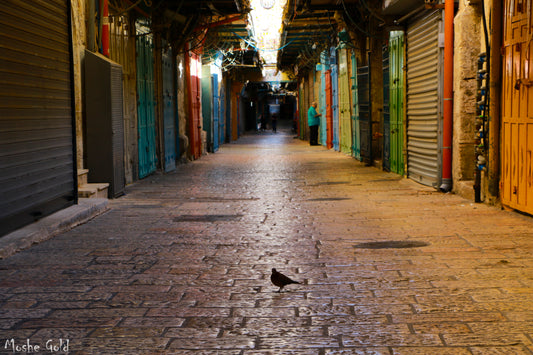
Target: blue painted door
<point>145,106</point>
<point>335,97</point>
<point>216,111</point>
<point>169,116</point>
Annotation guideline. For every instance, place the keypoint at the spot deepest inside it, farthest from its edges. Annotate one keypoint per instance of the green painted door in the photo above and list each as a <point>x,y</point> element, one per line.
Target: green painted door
<point>145,106</point>
<point>396,63</point>
<point>345,119</point>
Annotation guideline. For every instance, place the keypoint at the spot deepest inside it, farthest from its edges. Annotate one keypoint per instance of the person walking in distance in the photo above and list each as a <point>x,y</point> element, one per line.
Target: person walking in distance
<point>313,119</point>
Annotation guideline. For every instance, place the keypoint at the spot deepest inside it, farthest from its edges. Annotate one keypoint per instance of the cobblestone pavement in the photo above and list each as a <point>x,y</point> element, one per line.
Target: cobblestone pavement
<point>181,264</point>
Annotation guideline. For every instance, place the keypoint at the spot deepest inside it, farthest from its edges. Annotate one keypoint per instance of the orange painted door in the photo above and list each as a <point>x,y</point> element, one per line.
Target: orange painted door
<point>517,107</point>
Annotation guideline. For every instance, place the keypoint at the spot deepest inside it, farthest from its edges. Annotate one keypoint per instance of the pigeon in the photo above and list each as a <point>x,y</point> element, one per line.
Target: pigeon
<point>280,280</point>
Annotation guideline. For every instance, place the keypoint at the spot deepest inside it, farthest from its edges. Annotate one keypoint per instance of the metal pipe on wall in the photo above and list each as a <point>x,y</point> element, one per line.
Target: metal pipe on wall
<point>105,28</point>
<point>447,128</point>
<point>91,37</point>
<point>494,99</point>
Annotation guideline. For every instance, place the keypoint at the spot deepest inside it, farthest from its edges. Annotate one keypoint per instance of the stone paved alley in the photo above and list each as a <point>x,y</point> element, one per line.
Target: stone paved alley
<point>181,264</point>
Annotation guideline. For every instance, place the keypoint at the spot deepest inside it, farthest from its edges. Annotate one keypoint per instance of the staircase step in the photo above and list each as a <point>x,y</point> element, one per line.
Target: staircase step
<point>93,190</point>
<point>82,176</point>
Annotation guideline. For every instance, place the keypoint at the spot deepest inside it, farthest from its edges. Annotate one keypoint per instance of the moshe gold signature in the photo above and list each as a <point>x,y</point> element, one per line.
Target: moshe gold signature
<point>53,346</point>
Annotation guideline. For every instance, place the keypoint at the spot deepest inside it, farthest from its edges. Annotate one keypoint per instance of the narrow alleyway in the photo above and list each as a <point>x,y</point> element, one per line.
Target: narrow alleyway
<point>182,264</point>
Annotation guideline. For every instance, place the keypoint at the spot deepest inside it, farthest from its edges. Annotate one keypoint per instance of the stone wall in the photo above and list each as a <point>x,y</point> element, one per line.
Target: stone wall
<point>467,46</point>
<point>79,43</point>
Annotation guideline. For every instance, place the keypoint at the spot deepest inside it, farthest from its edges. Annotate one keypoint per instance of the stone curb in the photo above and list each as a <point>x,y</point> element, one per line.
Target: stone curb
<point>50,226</point>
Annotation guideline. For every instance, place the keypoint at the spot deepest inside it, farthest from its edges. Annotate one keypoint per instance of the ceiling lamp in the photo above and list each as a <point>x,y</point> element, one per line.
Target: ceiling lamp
<point>268,4</point>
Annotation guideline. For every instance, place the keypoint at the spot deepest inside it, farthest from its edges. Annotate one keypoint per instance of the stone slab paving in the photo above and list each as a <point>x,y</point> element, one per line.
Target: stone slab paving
<point>181,265</point>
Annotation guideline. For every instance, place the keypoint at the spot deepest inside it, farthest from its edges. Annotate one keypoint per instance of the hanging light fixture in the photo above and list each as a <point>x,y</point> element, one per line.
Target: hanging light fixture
<point>268,4</point>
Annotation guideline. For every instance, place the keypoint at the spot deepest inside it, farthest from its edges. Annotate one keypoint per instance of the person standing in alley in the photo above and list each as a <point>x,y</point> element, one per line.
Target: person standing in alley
<point>313,119</point>
<point>275,122</point>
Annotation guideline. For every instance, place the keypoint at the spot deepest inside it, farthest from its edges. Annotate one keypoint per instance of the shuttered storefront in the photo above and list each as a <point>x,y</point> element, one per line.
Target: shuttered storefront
<point>335,97</point>
<point>365,111</point>
<point>356,136</point>
<point>145,102</point>
<point>516,186</point>
<point>424,63</point>
<point>386,108</point>
<point>169,106</point>
<point>37,160</point>
<point>345,117</point>
<point>396,81</point>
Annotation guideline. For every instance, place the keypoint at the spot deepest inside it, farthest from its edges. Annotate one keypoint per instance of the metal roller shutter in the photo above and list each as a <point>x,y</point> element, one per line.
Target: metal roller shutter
<point>365,113</point>
<point>37,160</point>
<point>424,60</point>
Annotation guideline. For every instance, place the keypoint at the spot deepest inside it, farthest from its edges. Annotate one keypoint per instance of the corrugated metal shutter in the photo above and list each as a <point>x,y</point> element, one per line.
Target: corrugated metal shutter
<point>365,119</point>
<point>424,59</point>
<point>117,121</point>
<point>104,122</point>
<point>37,160</point>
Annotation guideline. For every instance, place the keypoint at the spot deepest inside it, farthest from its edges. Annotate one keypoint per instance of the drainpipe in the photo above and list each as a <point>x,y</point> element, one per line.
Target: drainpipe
<point>494,100</point>
<point>91,37</point>
<point>447,130</point>
<point>105,28</point>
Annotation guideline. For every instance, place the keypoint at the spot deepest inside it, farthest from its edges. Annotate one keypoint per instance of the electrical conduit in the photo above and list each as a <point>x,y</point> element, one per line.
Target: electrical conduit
<point>105,28</point>
<point>447,129</point>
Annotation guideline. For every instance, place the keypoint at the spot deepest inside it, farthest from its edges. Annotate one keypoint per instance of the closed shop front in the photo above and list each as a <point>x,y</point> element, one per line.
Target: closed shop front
<point>37,158</point>
<point>386,108</point>
<point>424,63</point>
<point>335,97</point>
<point>302,110</point>
<point>517,107</point>
<point>365,121</point>
<point>329,110</point>
<point>145,101</point>
<point>396,106</point>
<point>344,104</point>
<point>322,98</point>
<point>207,109</point>
<point>356,141</point>
<point>169,108</point>
<point>193,64</point>
<point>216,111</point>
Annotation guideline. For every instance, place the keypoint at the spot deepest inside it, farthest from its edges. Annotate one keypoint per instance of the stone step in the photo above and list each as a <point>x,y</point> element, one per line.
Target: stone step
<point>82,176</point>
<point>93,190</point>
